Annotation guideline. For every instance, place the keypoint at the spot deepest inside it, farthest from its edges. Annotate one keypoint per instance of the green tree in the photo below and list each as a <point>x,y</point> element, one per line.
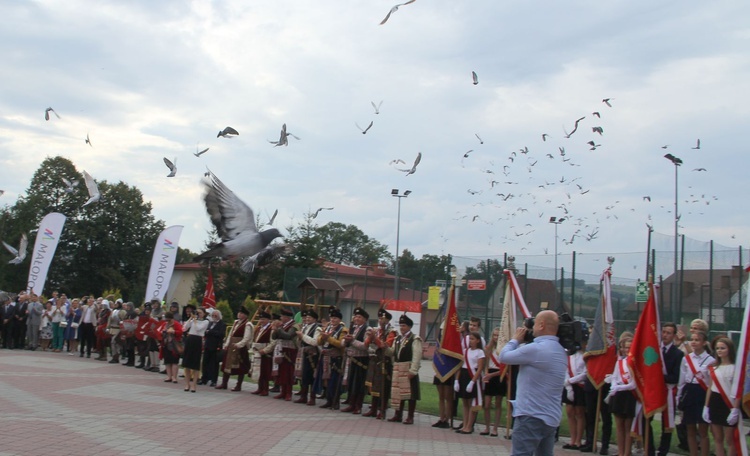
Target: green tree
<point>106,245</point>
<point>347,244</point>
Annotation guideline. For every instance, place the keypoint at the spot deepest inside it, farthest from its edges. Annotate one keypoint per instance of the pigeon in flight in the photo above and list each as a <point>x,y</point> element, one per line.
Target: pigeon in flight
<point>315,215</point>
<point>647,198</point>
<point>413,169</point>
<point>172,166</point>
<point>544,136</point>
<point>227,133</point>
<point>262,258</point>
<point>364,132</point>
<point>397,161</point>
<point>273,217</point>
<point>466,155</point>
<point>575,127</point>
<point>377,107</point>
<point>606,101</point>
<point>198,153</point>
<point>593,145</point>
<point>283,137</point>
<point>393,10</point>
<point>480,139</point>
<point>2,192</point>
<point>699,169</point>
<point>47,111</point>
<point>697,145</point>
<point>88,141</point>
<point>665,146</point>
<point>596,113</point>
<point>234,222</point>
<point>94,195</point>
<point>20,254</point>
<point>69,186</point>
<point>474,78</point>
<point>599,130</point>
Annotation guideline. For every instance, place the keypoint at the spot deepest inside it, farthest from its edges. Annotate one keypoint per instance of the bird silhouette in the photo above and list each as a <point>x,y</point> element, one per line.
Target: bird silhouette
<point>697,145</point>
<point>377,108</point>
<point>172,166</point>
<point>474,78</point>
<point>316,213</point>
<point>94,195</point>
<point>19,254</point>
<point>47,111</point>
<point>364,131</point>
<point>393,10</point>
<point>606,101</point>
<point>228,132</point>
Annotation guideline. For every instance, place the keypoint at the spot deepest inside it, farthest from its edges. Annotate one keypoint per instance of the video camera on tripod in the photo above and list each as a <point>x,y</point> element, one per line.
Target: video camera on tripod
<point>571,333</point>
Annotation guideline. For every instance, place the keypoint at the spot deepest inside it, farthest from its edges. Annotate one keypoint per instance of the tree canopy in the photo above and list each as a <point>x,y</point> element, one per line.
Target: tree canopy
<point>106,245</point>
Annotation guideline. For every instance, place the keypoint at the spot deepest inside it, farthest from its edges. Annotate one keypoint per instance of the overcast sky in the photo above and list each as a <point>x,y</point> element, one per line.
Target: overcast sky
<point>148,80</point>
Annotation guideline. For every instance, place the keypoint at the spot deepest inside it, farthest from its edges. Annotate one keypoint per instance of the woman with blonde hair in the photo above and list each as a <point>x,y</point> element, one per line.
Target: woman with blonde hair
<point>493,386</point>
<point>621,399</point>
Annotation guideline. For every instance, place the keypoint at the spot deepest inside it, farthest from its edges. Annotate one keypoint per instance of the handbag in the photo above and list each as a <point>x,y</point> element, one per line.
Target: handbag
<point>74,325</point>
<point>63,324</point>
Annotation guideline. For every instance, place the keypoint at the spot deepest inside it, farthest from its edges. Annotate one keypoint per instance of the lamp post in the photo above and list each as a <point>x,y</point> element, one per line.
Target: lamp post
<point>395,193</point>
<point>675,284</point>
<point>556,221</point>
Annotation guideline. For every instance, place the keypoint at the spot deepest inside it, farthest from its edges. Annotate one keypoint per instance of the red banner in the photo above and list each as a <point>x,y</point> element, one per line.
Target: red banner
<point>645,359</point>
<point>601,354</point>
<point>401,306</point>
<point>209,298</point>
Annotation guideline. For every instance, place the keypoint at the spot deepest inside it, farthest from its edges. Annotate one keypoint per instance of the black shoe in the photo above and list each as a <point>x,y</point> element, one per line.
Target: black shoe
<point>212,384</point>
<point>604,451</point>
<point>586,449</point>
<point>200,382</point>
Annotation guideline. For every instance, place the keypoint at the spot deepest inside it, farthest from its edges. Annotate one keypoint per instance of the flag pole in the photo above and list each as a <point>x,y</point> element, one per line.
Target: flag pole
<point>508,404</point>
<point>596,418</point>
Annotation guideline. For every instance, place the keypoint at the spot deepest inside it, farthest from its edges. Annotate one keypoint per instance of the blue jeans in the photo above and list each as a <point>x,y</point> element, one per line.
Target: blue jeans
<point>531,436</point>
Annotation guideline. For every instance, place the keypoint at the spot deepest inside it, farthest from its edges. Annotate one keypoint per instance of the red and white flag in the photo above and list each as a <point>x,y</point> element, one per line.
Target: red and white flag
<point>209,298</point>
<point>741,383</point>
<point>512,302</point>
<point>601,352</point>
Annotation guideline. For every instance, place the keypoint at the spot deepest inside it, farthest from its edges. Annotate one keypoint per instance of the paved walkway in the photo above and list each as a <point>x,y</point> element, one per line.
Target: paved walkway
<point>52,403</point>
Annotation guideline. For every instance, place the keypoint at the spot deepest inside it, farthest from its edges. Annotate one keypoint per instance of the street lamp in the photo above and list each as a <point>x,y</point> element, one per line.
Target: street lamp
<point>677,162</point>
<point>395,193</point>
<point>556,222</point>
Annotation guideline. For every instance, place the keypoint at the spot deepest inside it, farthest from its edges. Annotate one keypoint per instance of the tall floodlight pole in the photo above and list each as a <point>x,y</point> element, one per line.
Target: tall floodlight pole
<point>395,193</point>
<point>556,222</point>
<point>675,284</point>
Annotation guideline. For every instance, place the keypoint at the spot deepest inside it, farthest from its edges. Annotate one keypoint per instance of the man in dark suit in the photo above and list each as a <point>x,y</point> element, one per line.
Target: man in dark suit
<point>19,320</point>
<point>214,339</point>
<point>672,360</point>
<point>7,312</point>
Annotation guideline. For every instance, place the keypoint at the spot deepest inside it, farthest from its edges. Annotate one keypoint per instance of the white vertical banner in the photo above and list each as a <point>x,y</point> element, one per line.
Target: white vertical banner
<point>162,263</point>
<point>47,238</point>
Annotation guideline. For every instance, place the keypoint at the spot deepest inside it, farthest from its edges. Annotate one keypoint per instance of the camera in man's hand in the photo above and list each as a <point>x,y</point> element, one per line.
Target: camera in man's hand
<point>571,333</point>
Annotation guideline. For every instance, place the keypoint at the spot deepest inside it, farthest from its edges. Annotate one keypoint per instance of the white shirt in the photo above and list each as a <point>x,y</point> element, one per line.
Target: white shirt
<point>196,327</point>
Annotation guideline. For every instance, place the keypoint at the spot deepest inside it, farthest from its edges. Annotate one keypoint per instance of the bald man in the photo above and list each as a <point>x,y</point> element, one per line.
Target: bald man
<point>541,378</point>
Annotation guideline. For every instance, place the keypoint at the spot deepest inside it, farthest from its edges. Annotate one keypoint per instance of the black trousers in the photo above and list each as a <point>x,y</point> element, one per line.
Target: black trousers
<point>591,397</point>
<point>87,336</point>
<point>210,366</point>
<point>19,333</point>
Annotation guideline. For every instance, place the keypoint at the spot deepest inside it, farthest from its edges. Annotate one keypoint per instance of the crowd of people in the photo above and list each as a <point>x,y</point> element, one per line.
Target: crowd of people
<point>330,361</point>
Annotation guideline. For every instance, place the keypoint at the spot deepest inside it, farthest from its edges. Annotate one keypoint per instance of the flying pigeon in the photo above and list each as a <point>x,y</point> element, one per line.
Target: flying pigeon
<point>234,222</point>
<point>172,166</point>
<point>283,137</point>
<point>1,192</point>
<point>377,107</point>
<point>697,145</point>
<point>575,127</point>
<point>262,258</point>
<point>544,136</point>
<point>606,101</point>
<point>227,133</point>
<point>88,141</point>
<point>393,10</point>
<point>466,155</point>
<point>47,111</point>
<point>397,161</point>
<point>665,146</point>
<point>413,169</point>
<point>364,132</point>
<point>315,215</point>
<point>21,252</point>
<point>599,130</point>
<point>94,195</point>
<point>70,186</point>
<point>273,217</point>
<point>647,198</point>
<point>699,169</point>
<point>596,113</point>
<point>480,139</point>
<point>474,78</point>
<point>198,153</point>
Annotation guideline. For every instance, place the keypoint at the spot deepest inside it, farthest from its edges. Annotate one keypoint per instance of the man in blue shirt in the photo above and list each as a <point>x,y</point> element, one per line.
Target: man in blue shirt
<point>541,379</point>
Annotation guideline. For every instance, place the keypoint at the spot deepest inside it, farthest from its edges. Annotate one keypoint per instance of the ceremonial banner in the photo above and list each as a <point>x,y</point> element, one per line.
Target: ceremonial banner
<point>209,298</point>
<point>47,238</point>
<point>741,378</point>
<point>645,359</point>
<point>449,356</point>
<point>601,353</point>
<point>162,263</point>
<point>509,321</point>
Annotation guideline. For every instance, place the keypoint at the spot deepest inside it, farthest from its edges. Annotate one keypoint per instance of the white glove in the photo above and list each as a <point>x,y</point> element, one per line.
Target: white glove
<point>456,386</point>
<point>614,389</point>
<point>705,415</point>
<point>470,386</point>
<point>569,393</point>
<point>733,417</point>
<point>567,382</point>
<point>608,378</point>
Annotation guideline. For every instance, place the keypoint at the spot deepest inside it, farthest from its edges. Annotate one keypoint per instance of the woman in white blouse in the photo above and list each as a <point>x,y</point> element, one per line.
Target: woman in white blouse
<point>721,407</point>
<point>691,391</point>
<point>195,328</point>
<point>621,399</point>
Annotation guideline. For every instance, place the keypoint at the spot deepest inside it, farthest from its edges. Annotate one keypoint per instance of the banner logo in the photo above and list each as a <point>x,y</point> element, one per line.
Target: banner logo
<point>49,235</point>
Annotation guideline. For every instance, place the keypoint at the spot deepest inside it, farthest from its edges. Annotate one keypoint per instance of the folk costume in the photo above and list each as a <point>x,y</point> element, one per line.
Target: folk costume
<point>329,366</point>
<point>358,359</point>
<point>262,339</point>
<point>237,356</point>
<point>286,337</point>
<point>380,367</point>
<point>145,336</point>
<point>407,356</point>
<point>307,358</point>
<point>212,347</point>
